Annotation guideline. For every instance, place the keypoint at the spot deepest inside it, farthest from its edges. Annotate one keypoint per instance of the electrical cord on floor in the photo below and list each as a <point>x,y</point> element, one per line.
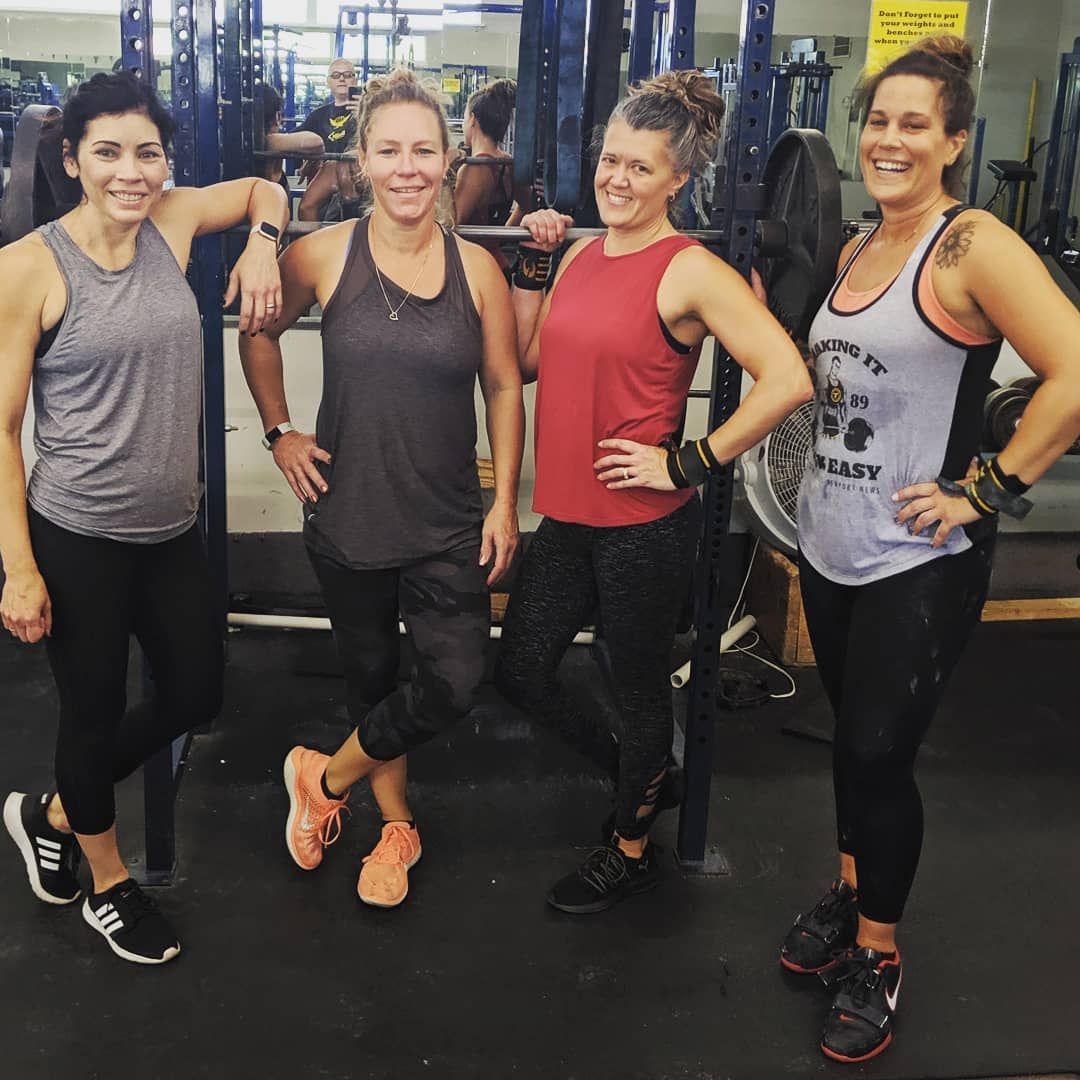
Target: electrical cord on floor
<point>746,649</point>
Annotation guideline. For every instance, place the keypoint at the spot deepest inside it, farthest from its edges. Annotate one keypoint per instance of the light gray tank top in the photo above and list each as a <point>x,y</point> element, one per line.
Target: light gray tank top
<point>118,395</point>
<point>899,399</point>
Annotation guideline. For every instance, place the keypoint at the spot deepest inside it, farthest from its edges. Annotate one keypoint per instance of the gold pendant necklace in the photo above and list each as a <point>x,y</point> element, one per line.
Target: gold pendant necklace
<point>390,307</point>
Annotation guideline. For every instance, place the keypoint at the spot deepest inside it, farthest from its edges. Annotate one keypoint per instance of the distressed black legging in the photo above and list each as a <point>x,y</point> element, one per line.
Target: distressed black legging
<point>102,592</point>
<point>637,575</point>
<point>885,652</point>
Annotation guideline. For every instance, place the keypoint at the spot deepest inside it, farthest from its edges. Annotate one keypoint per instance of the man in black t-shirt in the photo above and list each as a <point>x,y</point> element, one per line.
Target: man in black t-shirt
<point>335,122</point>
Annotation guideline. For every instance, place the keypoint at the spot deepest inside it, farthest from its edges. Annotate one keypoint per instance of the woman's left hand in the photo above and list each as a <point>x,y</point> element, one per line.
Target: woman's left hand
<point>633,465</point>
<point>927,503</point>
<point>500,535</point>
<point>256,278</point>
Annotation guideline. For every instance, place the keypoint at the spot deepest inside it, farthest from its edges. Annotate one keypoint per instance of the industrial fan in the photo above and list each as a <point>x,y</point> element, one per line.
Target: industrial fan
<point>771,473</point>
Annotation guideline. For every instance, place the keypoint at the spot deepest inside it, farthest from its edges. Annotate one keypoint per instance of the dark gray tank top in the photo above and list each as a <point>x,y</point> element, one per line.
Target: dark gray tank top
<point>117,396</point>
<point>398,418</point>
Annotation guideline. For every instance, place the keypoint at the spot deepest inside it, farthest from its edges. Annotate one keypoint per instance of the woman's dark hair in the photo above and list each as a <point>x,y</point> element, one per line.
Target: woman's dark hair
<point>492,106</point>
<point>268,104</point>
<point>947,60</point>
<point>111,95</point>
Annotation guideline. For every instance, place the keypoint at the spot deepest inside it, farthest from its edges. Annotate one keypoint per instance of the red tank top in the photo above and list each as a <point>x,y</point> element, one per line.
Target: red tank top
<point>607,372</point>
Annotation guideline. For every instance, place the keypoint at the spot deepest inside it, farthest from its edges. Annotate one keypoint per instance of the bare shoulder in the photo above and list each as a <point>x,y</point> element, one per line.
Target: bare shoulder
<point>847,251</point>
<point>976,242</point>
<point>29,262</point>
<point>572,252</point>
<point>474,258</point>
<point>696,267</point>
<point>320,245</point>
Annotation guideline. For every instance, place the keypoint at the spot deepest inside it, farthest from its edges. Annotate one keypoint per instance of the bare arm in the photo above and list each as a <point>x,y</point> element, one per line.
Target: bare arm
<point>1010,285</point>
<point>25,608</point>
<point>472,189</point>
<point>294,142</point>
<point>304,269</point>
<point>500,383</point>
<point>319,192</point>
<point>187,212</point>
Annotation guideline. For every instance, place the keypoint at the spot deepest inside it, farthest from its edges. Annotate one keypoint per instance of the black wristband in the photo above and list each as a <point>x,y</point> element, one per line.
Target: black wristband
<point>1009,482</point>
<point>987,492</point>
<point>532,269</point>
<point>693,463</point>
<point>674,471</point>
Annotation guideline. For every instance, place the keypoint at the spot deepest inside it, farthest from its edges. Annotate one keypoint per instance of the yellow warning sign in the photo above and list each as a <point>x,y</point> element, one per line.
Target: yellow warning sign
<point>894,25</point>
<point>451,86</point>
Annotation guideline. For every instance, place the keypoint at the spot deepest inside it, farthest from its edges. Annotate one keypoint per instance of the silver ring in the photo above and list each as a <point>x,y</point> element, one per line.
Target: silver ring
<point>626,474</point>
<point>271,307</point>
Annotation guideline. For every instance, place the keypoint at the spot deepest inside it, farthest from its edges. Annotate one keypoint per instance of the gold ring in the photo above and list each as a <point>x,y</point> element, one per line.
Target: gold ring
<point>626,474</point>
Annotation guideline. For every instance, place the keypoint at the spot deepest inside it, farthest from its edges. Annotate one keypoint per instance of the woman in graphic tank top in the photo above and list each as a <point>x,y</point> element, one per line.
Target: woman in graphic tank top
<point>896,513</point>
<point>104,543</point>
<point>411,317</point>
<point>614,347</point>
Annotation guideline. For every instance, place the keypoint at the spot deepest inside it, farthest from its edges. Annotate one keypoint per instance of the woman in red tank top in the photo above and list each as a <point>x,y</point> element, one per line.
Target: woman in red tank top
<point>614,347</point>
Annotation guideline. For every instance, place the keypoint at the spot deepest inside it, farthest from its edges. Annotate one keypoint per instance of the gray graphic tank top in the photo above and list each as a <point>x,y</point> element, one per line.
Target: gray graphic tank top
<point>899,395</point>
<point>118,395</point>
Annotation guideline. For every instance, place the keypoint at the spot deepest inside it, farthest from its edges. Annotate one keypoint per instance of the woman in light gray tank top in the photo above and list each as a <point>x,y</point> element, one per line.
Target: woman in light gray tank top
<point>896,520</point>
<point>103,541</point>
<point>412,316</point>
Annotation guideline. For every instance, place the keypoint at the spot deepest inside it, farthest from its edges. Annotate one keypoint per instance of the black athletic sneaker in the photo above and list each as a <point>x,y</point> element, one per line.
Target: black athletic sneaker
<point>823,934</point>
<point>671,794</point>
<point>860,1023</point>
<point>605,878</point>
<point>132,925</point>
<point>51,857</point>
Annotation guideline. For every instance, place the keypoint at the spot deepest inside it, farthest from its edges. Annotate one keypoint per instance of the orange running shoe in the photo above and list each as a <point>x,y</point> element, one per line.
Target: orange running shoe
<point>384,877</point>
<point>314,820</point>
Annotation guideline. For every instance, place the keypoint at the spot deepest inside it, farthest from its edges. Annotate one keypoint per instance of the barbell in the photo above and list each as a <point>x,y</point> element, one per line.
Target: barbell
<point>798,238</point>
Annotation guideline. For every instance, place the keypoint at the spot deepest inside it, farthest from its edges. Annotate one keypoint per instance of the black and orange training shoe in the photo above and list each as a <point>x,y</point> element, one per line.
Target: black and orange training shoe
<point>823,934</point>
<point>860,1023</point>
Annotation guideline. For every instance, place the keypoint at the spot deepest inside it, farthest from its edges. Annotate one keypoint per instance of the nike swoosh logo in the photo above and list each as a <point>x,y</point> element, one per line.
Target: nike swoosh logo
<point>305,821</point>
<point>894,997</point>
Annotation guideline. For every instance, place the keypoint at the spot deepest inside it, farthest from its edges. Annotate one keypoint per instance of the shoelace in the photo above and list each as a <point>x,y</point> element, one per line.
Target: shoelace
<point>328,827</point>
<point>134,904</point>
<point>603,869</point>
<point>392,848</point>
<point>828,906</point>
<point>857,975</point>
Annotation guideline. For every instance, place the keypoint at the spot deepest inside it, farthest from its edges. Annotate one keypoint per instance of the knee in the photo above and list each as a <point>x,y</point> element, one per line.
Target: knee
<point>522,688</point>
<point>195,697</point>
<point>449,696</point>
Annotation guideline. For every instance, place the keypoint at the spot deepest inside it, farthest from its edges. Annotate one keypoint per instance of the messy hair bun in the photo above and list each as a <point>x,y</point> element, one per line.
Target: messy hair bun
<point>492,106</point>
<point>684,104</point>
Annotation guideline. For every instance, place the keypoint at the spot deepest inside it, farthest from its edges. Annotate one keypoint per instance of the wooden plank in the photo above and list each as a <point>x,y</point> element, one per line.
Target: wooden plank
<point>1050,607</point>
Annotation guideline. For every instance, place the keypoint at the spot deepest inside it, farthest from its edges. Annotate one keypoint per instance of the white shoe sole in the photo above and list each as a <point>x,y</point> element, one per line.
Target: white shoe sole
<point>91,920</point>
<point>289,774</point>
<point>13,824</point>
<point>395,903</point>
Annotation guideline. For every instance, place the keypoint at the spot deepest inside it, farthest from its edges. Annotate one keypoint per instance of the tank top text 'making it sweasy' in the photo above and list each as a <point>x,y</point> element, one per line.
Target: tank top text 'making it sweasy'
<point>899,398</point>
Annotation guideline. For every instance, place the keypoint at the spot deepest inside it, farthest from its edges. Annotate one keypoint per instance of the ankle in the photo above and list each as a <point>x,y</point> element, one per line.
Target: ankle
<point>105,882</point>
<point>55,816</point>
<point>633,848</point>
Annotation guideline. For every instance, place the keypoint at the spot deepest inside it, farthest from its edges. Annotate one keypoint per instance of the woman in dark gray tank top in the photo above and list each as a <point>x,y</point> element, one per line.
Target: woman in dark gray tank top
<point>104,542</point>
<point>393,523</point>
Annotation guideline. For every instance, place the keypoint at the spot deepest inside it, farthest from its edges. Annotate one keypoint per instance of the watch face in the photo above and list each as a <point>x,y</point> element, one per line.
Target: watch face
<point>270,230</point>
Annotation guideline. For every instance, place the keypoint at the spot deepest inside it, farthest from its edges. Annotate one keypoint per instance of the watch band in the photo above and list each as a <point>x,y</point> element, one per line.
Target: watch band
<point>269,231</point>
<point>275,433</point>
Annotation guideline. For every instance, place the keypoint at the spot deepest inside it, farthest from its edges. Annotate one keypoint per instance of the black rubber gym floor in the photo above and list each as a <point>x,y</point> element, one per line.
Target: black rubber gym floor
<point>286,974</point>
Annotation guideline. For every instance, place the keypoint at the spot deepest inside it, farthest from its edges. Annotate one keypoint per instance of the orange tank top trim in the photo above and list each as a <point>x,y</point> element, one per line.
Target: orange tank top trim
<point>936,313</point>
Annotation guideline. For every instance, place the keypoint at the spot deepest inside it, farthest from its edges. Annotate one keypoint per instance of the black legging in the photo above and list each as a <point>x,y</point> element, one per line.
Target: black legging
<point>102,591</point>
<point>885,652</point>
<point>637,575</point>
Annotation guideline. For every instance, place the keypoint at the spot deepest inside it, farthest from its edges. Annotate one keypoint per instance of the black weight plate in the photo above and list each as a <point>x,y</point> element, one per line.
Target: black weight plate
<point>18,216</point>
<point>1002,411</point>
<point>1028,383</point>
<point>802,186</point>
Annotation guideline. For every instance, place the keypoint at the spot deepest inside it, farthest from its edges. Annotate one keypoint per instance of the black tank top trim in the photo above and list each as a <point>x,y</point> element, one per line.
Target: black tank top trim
<point>678,346</point>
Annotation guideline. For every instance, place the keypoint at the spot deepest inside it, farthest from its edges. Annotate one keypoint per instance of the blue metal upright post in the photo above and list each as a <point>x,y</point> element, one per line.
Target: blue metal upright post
<point>642,20</point>
<point>734,215</point>
<point>680,20</point>
<point>137,39</point>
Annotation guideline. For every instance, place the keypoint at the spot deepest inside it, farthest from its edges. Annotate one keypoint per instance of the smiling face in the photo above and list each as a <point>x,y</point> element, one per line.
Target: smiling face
<point>634,177</point>
<point>904,147</point>
<point>405,160</point>
<point>121,165</point>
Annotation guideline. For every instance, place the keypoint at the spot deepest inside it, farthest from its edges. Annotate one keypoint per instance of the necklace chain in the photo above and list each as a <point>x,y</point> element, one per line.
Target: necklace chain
<point>390,307</point>
<point>918,224</point>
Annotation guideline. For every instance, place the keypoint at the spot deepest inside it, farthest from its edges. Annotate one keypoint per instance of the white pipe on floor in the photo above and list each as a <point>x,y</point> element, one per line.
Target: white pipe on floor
<point>311,622</point>
<point>681,677</point>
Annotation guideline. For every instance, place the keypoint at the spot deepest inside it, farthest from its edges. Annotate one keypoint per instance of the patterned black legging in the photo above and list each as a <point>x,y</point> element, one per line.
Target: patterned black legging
<point>885,651</point>
<point>637,576</point>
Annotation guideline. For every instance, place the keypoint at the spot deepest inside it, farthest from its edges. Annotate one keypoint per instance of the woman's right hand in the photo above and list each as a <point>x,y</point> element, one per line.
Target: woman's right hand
<point>25,607</point>
<point>547,228</point>
<point>295,454</point>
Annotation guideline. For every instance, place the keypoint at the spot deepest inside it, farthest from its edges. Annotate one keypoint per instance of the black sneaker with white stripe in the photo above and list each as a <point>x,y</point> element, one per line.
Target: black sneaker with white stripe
<point>51,856</point>
<point>131,923</point>
<point>860,1023</point>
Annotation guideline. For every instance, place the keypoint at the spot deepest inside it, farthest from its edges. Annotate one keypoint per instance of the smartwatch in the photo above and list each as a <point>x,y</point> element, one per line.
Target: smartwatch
<point>275,433</point>
<point>271,232</point>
